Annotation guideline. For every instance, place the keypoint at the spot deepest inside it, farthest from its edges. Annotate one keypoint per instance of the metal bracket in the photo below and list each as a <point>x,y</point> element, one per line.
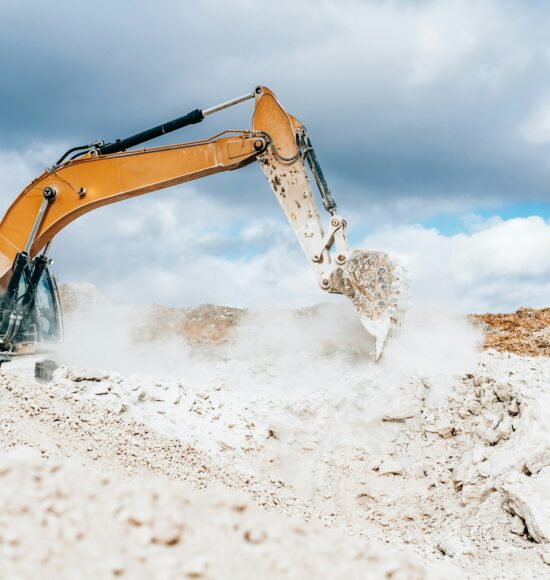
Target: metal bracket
<point>336,235</point>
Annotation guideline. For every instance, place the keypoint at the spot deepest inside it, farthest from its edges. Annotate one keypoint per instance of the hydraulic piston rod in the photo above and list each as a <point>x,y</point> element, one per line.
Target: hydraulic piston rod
<point>227,104</point>
<point>191,118</point>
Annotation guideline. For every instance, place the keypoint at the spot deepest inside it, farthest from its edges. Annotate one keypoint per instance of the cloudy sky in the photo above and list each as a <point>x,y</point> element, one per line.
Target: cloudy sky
<point>431,120</point>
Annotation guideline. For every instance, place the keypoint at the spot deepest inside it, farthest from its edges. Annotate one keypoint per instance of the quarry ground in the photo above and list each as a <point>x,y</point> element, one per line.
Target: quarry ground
<point>223,443</point>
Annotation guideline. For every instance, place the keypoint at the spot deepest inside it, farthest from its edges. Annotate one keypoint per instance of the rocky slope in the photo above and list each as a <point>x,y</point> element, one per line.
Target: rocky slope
<point>269,447</point>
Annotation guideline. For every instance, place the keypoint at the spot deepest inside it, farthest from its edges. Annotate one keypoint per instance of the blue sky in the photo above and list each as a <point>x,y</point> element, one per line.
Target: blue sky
<point>424,114</point>
<point>450,224</point>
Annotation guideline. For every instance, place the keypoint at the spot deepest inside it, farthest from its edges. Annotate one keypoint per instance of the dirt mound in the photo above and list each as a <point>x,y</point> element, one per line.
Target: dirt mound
<point>525,332</point>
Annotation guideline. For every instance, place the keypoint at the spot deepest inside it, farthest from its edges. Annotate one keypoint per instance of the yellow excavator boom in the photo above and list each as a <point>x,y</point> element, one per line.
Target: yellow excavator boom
<point>100,174</point>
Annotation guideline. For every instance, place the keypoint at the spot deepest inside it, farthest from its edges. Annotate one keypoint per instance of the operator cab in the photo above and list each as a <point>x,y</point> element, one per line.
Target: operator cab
<point>43,324</point>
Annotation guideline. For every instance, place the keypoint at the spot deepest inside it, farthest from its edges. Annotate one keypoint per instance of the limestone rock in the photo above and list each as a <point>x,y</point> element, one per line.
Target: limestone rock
<point>529,498</point>
<point>390,467</point>
<point>518,526</point>
<point>44,370</point>
<point>443,428</point>
<point>401,412</point>
<point>538,460</point>
<point>78,374</point>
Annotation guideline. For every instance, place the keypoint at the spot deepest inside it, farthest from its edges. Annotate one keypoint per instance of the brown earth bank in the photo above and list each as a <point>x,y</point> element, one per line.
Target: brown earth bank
<point>525,332</point>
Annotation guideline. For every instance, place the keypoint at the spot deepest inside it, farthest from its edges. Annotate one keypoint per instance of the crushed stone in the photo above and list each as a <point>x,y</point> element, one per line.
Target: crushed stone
<point>447,469</point>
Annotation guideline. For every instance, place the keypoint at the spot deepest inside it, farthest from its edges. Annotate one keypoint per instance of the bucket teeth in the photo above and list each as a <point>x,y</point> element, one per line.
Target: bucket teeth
<point>377,286</point>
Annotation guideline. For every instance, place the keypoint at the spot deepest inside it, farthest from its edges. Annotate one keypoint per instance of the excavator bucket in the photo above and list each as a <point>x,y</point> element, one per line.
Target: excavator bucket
<point>377,286</point>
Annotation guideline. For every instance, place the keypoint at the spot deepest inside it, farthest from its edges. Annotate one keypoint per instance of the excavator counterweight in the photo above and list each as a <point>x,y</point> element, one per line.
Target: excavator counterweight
<point>91,176</point>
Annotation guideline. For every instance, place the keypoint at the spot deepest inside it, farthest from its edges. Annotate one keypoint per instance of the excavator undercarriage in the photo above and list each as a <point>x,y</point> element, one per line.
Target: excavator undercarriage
<point>98,174</point>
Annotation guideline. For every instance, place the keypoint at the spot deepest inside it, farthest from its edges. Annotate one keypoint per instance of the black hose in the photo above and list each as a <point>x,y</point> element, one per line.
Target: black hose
<point>72,150</point>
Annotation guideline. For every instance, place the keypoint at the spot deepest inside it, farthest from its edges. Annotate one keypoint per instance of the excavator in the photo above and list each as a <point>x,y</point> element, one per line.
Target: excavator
<point>90,176</point>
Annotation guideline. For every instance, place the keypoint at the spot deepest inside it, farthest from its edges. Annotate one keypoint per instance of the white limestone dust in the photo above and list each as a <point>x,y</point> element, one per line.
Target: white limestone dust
<point>439,452</point>
<point>452,480</point>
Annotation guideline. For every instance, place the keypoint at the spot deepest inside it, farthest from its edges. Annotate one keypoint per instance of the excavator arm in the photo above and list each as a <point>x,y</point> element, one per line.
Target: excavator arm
<point>62,194</point>
<point>100,174</point>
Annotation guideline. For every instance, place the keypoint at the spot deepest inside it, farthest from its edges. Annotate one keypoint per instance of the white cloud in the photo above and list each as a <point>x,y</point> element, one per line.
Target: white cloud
<point>18,169</point>
<point>402,98</point>
<point>536,128</point>
<point>500,267</point>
